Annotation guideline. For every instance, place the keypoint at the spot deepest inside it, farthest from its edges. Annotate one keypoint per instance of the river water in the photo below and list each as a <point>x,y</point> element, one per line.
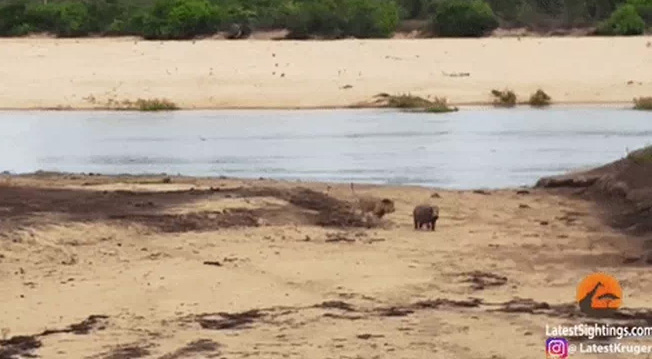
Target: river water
<point>473,148</point>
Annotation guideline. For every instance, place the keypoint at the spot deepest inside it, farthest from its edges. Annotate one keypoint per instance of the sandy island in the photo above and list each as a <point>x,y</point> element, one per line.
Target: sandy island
<point>149,267</point>
<point>89,73</point>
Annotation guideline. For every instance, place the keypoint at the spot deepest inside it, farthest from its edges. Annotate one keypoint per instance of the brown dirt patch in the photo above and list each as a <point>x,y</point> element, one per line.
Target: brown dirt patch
<point>24,345</point>
<point>23,206</point>
<point>192,348</point>
<point>623,188</point>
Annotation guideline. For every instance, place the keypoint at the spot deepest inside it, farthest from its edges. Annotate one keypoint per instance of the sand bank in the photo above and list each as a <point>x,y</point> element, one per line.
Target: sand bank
<point>88,73</point>
<point>145,266</point>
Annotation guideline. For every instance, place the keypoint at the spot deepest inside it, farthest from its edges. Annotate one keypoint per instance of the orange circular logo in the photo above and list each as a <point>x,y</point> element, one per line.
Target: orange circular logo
<point>599,291</point>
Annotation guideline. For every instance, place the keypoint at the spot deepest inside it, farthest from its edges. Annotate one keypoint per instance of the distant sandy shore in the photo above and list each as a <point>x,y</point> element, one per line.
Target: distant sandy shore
<point>88,73</point>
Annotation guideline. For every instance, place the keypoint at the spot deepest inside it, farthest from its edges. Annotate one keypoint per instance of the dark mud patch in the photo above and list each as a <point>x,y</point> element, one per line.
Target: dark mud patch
<point>28,206</point>
<point>193,348</point>
<point>23,346</point>
<point>221,321</point>
<point>93,322</point>
<point>480,280</point>
<point>622,188</point>
<point>19,347</point>
<point>336,304</point>
<point>331,212</point>
<point>202,221</point>
<point>447,303</point>
<point>340,310</point>
<point>394,312</point>
<point>127,351</point>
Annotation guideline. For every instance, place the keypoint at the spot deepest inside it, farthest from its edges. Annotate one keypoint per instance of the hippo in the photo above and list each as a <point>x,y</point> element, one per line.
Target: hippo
<point>425,214</point>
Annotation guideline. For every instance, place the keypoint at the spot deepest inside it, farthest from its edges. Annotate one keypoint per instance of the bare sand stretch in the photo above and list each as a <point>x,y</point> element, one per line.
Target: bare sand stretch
<point>109,267</point>
<point>87,73</point>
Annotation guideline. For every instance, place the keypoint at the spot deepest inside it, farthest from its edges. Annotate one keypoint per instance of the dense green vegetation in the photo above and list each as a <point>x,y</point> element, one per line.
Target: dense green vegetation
<point>184,19</point>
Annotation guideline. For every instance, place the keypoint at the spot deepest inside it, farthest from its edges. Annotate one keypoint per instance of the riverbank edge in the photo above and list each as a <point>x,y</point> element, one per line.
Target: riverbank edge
<point>625,105</point>
<point>149,178</point>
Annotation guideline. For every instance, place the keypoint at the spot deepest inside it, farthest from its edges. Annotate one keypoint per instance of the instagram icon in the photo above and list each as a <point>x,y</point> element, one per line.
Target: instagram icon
<point>556,348</point>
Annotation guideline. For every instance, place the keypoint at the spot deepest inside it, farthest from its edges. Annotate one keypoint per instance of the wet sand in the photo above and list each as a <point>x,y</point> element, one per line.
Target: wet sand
<point>129,267</point>
<point>96,73</point>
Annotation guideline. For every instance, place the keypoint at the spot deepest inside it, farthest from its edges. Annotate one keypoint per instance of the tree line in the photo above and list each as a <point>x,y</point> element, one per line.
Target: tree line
<point>184,19</point>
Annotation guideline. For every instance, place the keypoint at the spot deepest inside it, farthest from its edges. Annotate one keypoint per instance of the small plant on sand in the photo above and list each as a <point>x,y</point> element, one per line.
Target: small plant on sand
<point>407,101</point>
<point>643,103</point>
<point>440,105</point>
<point>143,105</point>
<point>539,99</point>
<point>504,98</point>
<point>155,105</point>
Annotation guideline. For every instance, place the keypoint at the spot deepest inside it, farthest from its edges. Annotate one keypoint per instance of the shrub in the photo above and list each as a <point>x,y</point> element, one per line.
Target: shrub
<point>439,105</point>
<point>155,105</point>
<point>177,19</point>
<point>73,19</point>
<point>407,101</point>
<point>416,9</point>
<point>314,18</point>
<point>505,98</point>
<point>643,103</point>
<point>644,9</point>
<point>624,21</point>
<point>464,18</point>
<point>107,16</point>
<point>370,18</point>
<point>539,99</point>
<point>66,19</point>
<point>339,18</point>
<point>12,17</point>
<point>148,105</point>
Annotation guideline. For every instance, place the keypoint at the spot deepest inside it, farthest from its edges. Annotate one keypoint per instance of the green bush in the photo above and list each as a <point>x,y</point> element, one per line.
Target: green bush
<point>177,19</point>
<point>644,9</point>
<point>625,21</point>
<point>12,17</point>
<point>181,19</point>
<point>314,18</point>
<point>66,19</point>
<point>369,18</point>
<point>464,18</point>
<point>340,18</point>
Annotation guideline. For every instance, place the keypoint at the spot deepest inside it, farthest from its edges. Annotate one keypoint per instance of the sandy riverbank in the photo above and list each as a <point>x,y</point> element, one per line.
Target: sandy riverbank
<point>150,265</point>
<point>88,73</point>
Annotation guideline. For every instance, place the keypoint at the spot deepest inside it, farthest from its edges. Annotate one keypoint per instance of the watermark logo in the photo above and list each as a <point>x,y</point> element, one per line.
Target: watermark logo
<point>599,295</point>
<point>556,348</point>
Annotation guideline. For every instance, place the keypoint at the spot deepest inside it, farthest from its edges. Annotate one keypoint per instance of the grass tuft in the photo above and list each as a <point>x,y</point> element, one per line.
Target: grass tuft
<point>440,105</point>
<point>643,103</point>
<point>155,105</point>
<point>407,101</point>
<point>642,156</point>
<point>504,98</point>
<point>142,105</point>
<point>539,99</point>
